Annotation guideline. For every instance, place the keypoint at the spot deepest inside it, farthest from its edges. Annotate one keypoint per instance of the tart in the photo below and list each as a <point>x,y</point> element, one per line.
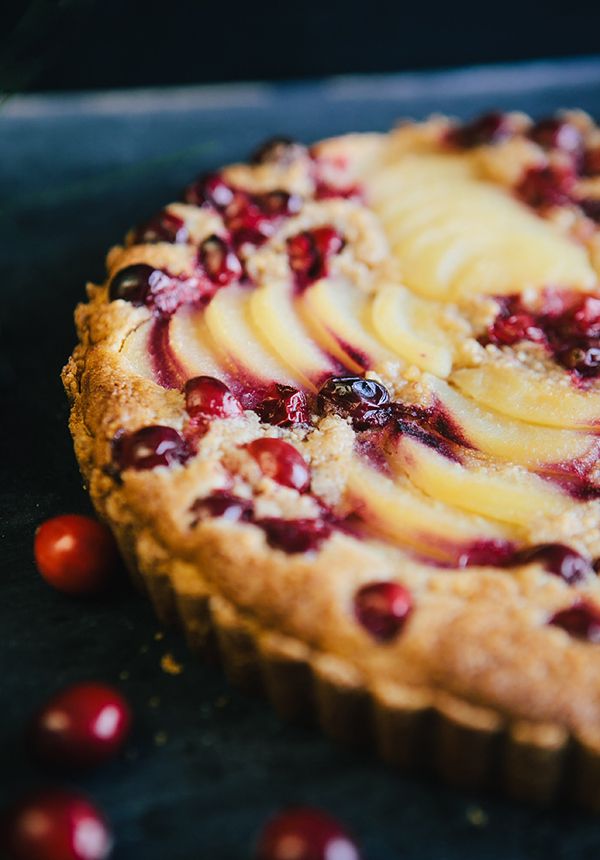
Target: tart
<point>340,407</point>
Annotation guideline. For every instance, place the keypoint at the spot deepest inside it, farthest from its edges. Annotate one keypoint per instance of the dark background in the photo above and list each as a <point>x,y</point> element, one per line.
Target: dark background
<point>88,44</point>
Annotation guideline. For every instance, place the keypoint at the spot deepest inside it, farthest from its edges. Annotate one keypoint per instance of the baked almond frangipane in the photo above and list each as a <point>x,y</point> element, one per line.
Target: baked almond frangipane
<point>340,407</point>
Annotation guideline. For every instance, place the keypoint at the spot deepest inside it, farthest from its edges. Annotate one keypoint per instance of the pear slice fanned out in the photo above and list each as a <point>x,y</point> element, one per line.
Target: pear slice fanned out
<point>192,344</point>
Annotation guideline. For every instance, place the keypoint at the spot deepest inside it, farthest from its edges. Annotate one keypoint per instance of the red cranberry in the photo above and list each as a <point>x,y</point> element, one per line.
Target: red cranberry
<point>309,253</point>
<point>383,608</point>
<point>279,204</point>
<point>164,227</point>
<point>75,554</point>
<point>591,209</point>
<point>207,397</point>
<point>591,161</point>
<point>304,833</point>
<point>363,400</point>
<point>587,317</point>
<point>581,620</point>
<point>546,186</point>
<point>281,462</point>
<point>247,222</point>
<point>133,283</point>
<point>584,358</point>
<point>326,191</point>
<point>149,447</point>
<point>493,553</point>
<point>280,150</point>
<point>209,190</point>
<point>290,406</point>
<point>487,129</point>
<point>82,726</point>
<point>218,260</point>
<point>56,825</point>
<point>560,560</point>
<point>555,133</point>
<point>508,330</point>
<point>223,505</point>
<point>293,536</point>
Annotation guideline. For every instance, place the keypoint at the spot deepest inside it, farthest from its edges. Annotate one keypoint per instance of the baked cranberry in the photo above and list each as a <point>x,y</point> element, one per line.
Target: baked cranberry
<point>587,316</point>
<point>363,400</point>
<point>584,358</point>
<point>76,554</point>
<point>326,191</point>
<point>293,536</point>
<point>281,462</point>
<point>219,262</point>
<point>279,204</point>
<point>383,608</point>
<point>56,825</point>
<point>309,253</point>
<point>133,283</point>
<point>290,406</point>
<point>163,227</point>
<point>82,726</point>
<point>547,186</point>
<point>487,129</point>
<point>208,397</point>
<point>581,620</point>
<point>591,161</point>
<point>591,208</point>
<point>304,833</point>
<point>223,505</point>
<point>209,190</point>
<point>555,133</point>
<point>560,560</point>
<point>149,447</point>
<point>508,330</point>
<point>280,150</point>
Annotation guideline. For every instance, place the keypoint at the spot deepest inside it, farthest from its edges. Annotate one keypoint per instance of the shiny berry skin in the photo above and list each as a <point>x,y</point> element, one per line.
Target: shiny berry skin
<point>485,130</point>
<point>293,536</point>
<point>383,608</point>
<point>219,262</point>
<point>210,190</point>
<point>208,397</point>
<point>56,824</point>
<point>133,283</point>
<point>281,462</point>
<point>362,400</point>
<point>280,150</point>
<point>289,407</point>
<point>149,447</point>
<point>508,330</point>
<point>546,186</point>
<point>581,620</point>
<point>75,554</point>
<point>163,227</point>
<point>222,505</point>
<point>309,253</point>
<point>305,833</point>
<point>560,560</point>
<point>583,358</point>
<point>555,133</point>
<point>81,726</point>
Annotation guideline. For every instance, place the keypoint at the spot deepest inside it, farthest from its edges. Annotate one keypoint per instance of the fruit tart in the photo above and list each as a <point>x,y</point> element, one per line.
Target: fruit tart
<point>340,406</point>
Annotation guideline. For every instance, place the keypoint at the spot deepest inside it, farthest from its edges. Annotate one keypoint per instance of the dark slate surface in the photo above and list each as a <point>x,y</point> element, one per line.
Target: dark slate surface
<point>206,764</point>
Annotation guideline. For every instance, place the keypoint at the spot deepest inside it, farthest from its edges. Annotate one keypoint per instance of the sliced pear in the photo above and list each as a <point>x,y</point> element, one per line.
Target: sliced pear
<point>135,352</point>
<point>509,494</point>
<point>228,321</point>
<point>522,393</point>
<point>413,328</point>
<point>410,518</point>
<point>338,314</point>
<point>276,321</point>
<point>192,344</point>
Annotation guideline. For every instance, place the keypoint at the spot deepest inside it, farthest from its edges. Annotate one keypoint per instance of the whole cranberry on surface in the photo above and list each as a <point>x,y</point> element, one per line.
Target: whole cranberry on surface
<point>207,397</point>
<point>55,824</point>
<point>383,608</point>
<point>282,462</point>
<point>81,726</point>
<point>149,447</point>
<point>75,554</point>
<point>305,833</point>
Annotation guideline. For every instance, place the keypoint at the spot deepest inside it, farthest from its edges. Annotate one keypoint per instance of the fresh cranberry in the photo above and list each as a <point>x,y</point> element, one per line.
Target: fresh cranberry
<point>365,401</point>
<point>304,833</point>
<point>223,505</point>
<point>309,253</point>
<point>141,284</point>
<point>555,133</point>
<point>560,560</point>
<point>207,397</point>
<point>581,620</point>
<point>82,726</point>
<point>591,208</point>
<point>280,150</point>
<point>210,190</point>
<point>164,227</point>
<point>547,186</point>
<point>508,330</point>
<point>281,462</point>
<point>383,608</point>
<point>487,129</point>
<point>591,161</point>
<point>149,447</point>
<point>56,825</point>
<point>219,262</point>
<point>75,554</point>
<point>293,536</point>
<point>134,283</point>
<point>290,406</point>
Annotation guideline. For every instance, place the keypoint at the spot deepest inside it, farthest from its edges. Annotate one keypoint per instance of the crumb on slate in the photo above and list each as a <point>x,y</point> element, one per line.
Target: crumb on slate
<point>476,816</point>
<point>169,664</point>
